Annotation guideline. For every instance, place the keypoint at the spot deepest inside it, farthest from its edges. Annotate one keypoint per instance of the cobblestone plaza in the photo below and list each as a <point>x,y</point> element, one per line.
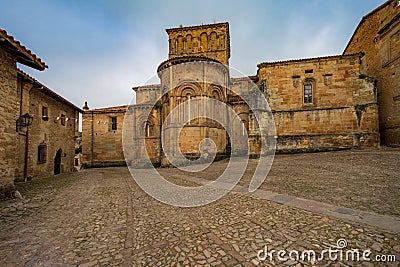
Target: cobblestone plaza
<point>100,217</point>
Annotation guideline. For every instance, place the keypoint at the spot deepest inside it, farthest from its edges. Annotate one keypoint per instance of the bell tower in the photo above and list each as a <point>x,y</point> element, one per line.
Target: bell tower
<point>211,40</point>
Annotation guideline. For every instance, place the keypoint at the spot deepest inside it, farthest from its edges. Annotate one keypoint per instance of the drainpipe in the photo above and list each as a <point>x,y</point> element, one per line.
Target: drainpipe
<point>26,153</point>
<point>26,133</point>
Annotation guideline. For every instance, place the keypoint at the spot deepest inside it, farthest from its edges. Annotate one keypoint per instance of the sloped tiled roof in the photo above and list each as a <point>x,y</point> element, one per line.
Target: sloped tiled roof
<point>24,55</point>
<point>265,64</point>
<point>147,87</point>
<point>185,59</point>
<point>226,24</point>
<point>116,109</point>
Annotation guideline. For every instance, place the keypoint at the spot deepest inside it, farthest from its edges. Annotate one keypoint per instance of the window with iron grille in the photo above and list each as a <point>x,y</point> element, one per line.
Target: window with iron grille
<point>45,114</point>
<point>42,153</point>
<point>114,124</point>
<point>308,93</point>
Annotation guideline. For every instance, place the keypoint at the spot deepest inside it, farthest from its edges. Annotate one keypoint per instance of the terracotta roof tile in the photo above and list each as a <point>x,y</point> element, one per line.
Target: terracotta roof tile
<point>184,59</point>
<point>265,64</point>
<point>115,109</point>
<point>197,27</point>
<point>27,57</point>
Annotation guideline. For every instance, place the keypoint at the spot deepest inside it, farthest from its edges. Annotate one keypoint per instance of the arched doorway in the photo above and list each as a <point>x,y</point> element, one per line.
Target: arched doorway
<point>57,162</point>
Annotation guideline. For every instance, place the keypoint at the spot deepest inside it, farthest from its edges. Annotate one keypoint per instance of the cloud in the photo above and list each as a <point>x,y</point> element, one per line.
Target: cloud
<point>98,50</point>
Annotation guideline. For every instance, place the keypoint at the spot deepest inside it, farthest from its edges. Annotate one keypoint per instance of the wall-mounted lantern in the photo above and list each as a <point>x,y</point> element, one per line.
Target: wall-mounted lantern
<point>24,121</point>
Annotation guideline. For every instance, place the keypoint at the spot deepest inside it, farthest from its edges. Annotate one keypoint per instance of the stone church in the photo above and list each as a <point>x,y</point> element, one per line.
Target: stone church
<point>317,104</point>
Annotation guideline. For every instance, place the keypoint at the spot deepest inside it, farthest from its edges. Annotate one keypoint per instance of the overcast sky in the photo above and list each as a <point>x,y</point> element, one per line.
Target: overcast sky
<point>97,50</point>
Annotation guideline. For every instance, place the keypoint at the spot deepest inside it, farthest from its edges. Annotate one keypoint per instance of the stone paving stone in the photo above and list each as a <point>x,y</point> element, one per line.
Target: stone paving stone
<point>100,217</point>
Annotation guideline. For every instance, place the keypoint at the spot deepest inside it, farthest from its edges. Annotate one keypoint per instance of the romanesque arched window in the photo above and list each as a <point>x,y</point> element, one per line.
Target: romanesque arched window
<point>148,129</point>
<point>213,41</point>
<point>180,44</point>
<point>244,127</point>
<point>188,96</point>
<point>189,43</point>
<point>203,42</point>
<point>216,95</point>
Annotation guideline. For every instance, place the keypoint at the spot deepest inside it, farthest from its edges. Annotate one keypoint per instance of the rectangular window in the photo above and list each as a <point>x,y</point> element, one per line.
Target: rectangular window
<point>42,153</point>
<point>63,119</point>
<point>113,123</point>
<point>307,93</point>
<point>45,114</point>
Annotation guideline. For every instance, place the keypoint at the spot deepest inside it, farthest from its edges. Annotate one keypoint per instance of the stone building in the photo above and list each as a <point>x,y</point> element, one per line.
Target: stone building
<point>318,104</point>
<point>321,103</point>
<point>102,136</point>
<point>11,52</point>
<point>378,36</point>
<point>51,136</point>
<point>22,101</point>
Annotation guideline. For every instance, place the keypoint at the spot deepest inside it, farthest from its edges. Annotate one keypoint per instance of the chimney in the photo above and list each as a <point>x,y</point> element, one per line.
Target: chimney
<point>85,107</point>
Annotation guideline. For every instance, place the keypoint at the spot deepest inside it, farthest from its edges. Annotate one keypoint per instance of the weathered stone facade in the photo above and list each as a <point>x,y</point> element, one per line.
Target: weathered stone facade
<point>11,52</point>
<point>318,104</point>
<point>146,121</point>
<point>23,95</point>
<point>102,136</point>
<point>378,36</point>
<point>212,41</point>
<point>9,113</point>
<point>342,111</point>
<point>53,130</point>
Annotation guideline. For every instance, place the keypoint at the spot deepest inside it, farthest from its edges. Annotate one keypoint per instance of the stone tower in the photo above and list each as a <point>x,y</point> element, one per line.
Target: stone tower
<point>192,74</point>
<point>211,40</point>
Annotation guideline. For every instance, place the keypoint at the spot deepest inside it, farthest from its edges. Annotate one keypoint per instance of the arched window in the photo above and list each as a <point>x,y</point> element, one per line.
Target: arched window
<point>244,127</point>
<point>308,93</point>
<point>180,44</point>
<point>148,129</point>
<point>204,42</point>
<point>216,95</point>
<point>188,107</point>
<point>213,41</point>
<point>189,43</point>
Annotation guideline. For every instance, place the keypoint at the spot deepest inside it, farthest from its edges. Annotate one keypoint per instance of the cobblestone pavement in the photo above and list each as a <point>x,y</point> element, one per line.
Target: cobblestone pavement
<point>100,217</point>
<point>367,179</point>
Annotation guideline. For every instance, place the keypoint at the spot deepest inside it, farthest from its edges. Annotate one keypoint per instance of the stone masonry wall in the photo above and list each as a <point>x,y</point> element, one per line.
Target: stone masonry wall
<point>102,146</point>
<point>206,40</point>
<point>50,132</point>
<point>343,112</point>
<point>148,93</point>
<point>55,135</point>
<point>9,109</point>
<point>378,36</point>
